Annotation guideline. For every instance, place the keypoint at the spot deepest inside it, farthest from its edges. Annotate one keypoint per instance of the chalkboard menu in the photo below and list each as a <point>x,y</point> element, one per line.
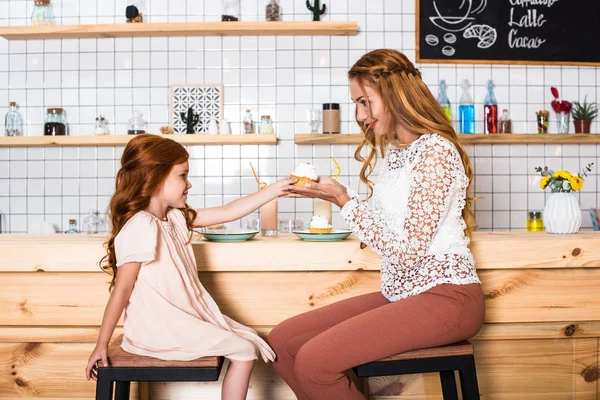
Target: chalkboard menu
<point>565,32</point>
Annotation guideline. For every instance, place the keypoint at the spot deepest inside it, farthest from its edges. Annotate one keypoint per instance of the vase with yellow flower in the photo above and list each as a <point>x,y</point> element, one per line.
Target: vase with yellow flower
<point>562,213</point>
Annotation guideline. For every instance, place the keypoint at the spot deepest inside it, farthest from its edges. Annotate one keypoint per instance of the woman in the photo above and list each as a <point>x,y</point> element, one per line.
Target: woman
<point>418,220</point>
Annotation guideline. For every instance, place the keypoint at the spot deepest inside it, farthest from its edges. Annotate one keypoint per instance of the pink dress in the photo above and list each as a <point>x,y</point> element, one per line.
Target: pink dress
<point>170,315</point>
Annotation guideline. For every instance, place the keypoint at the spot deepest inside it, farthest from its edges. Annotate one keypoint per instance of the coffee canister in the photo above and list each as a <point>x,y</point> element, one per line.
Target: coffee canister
<point>331,118</point>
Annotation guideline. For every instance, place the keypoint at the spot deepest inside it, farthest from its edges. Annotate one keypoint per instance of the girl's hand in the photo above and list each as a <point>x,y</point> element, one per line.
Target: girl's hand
<point>277,189</point>
<point>326,188</point>
<point>99,354</point>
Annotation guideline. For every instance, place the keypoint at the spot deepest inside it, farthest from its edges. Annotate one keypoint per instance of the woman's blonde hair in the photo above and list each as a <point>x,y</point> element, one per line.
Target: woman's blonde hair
<point>145,165</point>
<point>409,103</point>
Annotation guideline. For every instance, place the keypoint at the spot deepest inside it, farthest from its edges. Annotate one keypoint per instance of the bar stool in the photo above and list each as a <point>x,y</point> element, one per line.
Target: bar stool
<point>125,368</point>
<point>444,359</point>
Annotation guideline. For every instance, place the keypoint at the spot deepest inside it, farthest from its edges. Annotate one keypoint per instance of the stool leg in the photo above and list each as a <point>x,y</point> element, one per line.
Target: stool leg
<point>449,391</point>
<point>121,390</point>
<point>104,387</point>
<point>468,380</point>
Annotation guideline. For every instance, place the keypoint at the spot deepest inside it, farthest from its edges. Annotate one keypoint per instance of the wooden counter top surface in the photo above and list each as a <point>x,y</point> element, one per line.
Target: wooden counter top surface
<point>492,250</point>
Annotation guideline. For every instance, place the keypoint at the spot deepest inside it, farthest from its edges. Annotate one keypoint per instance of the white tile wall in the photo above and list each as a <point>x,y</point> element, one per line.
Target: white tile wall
<point>280,76</point>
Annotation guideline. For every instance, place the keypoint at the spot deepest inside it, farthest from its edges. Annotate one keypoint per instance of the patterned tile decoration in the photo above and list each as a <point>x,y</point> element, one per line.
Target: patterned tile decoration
<point>205,100</point>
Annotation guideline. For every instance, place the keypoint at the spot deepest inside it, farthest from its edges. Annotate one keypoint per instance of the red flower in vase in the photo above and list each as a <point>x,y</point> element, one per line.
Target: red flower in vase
<point>559,106</point>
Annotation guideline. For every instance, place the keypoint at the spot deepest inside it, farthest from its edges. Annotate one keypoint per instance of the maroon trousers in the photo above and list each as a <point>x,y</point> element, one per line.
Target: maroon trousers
<point>315,349</point>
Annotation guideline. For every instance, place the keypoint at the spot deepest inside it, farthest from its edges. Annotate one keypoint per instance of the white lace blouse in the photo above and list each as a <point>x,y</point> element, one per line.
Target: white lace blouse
<point>414,219</point>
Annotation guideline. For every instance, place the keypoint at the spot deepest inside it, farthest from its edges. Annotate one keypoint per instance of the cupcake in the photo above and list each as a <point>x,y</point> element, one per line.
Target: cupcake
<point>305,173</point>
<point>319,224</point>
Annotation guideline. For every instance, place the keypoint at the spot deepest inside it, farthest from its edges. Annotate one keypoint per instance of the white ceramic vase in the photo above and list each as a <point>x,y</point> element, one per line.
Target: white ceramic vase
<point>562,213</point>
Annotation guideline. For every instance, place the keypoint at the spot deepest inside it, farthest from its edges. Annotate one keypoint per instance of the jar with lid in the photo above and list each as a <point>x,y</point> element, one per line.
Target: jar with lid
<point>535,222</point>
<point>72,227</point>
<point>43,13</point>
<point>273,11</point>
<point>55,124</point>
<point>100,126</point>
<point>331,118</point>
<point>92,222</point>
<point>230,10</point>
<point>137,125</point>
<point>266,125</point>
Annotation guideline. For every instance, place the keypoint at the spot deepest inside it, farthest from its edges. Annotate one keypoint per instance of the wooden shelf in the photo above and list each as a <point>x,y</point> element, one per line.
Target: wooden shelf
<point>180,29</point>
<point>122,140</point>
<point>464,138</point>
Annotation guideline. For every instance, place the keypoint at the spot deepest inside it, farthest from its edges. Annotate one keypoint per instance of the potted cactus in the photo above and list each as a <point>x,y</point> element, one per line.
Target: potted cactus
<point>583,114</point>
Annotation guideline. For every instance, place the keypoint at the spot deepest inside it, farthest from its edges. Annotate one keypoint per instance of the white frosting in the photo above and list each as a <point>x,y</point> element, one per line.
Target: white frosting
<point>306,170</point>
<point>319,221</point>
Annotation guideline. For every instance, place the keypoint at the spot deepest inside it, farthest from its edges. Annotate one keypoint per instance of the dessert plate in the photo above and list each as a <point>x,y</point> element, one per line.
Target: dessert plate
<point>229,236</point>
<point>332,236</point>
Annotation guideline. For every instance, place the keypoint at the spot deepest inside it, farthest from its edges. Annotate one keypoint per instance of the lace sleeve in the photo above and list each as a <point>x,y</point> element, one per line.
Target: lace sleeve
<point>430,181</point>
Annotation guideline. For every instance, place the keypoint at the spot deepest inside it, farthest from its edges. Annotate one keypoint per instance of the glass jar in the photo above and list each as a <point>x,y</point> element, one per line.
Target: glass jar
<point>137,125</point>
<point>43,13</point>
<point>55,124</point>
<point>266,125</point>
<point>535,223</point>
<point>92,222</point>
<point>272,12</point>
<point>100,126</point>
<point>230,10</point>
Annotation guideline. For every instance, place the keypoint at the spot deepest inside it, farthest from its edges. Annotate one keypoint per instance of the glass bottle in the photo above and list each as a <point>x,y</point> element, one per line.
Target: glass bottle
<point>490,110</point>
<point>13,122</point>
<point>248,122</point>
<point>466,109</point>
<point>444,101</point>
<point>55,124</point>
<point>230,10</point>
<point>273,11</point>
<point>266,125</point>
<point>535,222</point>
<point>137,125</point>
<point>43,13</point>
<point>505,124</point>
<point>72,227</point>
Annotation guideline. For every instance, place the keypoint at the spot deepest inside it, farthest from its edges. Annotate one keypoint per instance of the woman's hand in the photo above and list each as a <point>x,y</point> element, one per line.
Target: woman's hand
<point>278,188</point>
<point>100,353</point>
<point>326,188</point>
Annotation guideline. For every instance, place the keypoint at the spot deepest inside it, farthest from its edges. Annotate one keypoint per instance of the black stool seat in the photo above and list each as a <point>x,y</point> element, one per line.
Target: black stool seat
<point>444,359</point>
<point>125,368</point>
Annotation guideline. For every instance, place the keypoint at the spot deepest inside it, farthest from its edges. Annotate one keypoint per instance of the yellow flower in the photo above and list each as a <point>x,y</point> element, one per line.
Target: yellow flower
<point>576,182</point>
<point>566,175</point>
<point>544,181</point>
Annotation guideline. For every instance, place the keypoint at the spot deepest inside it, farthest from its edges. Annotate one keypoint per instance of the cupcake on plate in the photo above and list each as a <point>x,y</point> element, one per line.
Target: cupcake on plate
<point>319,224</point>
<point>305,173</point>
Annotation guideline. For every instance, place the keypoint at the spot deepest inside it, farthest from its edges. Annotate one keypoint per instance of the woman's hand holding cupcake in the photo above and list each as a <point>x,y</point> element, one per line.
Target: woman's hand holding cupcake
<point>325,188</point>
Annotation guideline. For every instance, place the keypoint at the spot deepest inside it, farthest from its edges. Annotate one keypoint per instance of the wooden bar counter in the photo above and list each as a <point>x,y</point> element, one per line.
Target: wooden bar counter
<point>540,340</point>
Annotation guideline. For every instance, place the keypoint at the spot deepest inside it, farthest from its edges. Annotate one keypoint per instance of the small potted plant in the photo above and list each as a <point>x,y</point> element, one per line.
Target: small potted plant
<point>583,114</point>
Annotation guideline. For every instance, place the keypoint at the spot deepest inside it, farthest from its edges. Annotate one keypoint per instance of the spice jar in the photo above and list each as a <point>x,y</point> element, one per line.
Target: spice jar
<point>331,118</point>
<point>43,13</point>
<point>55,124</point>
<point>273,11</point>
<point>535,223</point>
<point>266,125</point>
<point>230,10</point>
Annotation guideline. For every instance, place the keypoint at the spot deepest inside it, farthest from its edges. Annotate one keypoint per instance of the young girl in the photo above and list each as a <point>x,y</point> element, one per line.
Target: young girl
<point>168,313</point>
<point>418,221</point>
